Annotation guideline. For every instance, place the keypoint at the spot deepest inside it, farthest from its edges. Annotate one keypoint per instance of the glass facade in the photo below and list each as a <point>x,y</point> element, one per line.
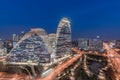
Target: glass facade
<point>63,44</point>
<point>30,49</point>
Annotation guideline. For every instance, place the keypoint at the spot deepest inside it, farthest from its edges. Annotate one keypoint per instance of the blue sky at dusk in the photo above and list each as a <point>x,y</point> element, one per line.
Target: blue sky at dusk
<point>89,18</point>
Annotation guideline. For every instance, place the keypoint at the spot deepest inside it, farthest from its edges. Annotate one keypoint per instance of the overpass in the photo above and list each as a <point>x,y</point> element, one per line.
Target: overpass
<point>64,67</point>
<point>57,66</point>
<point>67,70</point>
<point>56,74</point>
<point>114,62</point>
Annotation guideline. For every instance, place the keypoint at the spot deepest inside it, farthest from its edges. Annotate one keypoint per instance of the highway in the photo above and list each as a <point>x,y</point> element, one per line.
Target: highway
<point>56,61</point>
<point>3,58</point>
<point>51,74</point>
<point>114,62</point>
<point>7,76</point>
<point>61,67</point>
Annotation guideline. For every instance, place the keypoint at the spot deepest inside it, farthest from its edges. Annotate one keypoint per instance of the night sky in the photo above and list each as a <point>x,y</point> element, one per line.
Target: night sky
<point>89,18</point>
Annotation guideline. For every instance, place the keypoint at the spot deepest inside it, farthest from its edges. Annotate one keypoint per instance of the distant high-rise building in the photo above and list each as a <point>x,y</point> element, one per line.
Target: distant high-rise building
<point>95,45</point>
<point>118,44</point>
<point>63,38</point>
<point>14,43</point>
<point>22,34</point>
<point>83,44</point>
<point>3,50</point>
<point>112,44</point>
<point>8,44</point>
<point>115,44</point>
<point>74,43</point>
<point>15,37</point>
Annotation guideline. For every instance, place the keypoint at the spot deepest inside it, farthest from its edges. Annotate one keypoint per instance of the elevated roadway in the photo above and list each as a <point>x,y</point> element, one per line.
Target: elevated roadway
<point>63,66</point>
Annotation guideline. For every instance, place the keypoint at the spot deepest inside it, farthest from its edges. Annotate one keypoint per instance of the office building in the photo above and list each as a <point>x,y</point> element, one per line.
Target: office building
<point>3,50</point>
<point>15,37</point>
<point>95,45</point>
<point>63,38</point>
<point>33,47</point>
<point>83,44</point>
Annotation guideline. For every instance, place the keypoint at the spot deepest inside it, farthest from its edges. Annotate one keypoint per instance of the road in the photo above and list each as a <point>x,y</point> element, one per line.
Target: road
<point>61,67</point>
<point>7,76</point>
<point>3,58</point>
<point>51,76</point>
<point>111,54</point>
<point>114,62</point>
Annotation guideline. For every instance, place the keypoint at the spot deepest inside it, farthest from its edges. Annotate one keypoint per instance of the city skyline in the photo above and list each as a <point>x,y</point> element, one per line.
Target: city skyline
<point>88,18</point>
<point>59,40</point>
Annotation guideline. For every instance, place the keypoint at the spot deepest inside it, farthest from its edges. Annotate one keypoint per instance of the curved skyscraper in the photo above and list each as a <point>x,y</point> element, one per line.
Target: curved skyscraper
<point>63,38</point>
<point>33,47</point>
